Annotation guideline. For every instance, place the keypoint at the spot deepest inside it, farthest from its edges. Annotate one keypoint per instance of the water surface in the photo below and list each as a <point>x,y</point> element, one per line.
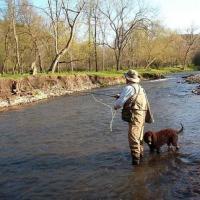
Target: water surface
<point>63,149</point>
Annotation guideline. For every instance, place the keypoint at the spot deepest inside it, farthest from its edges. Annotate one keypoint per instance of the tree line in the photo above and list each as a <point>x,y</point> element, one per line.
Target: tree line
<point>64,35</point>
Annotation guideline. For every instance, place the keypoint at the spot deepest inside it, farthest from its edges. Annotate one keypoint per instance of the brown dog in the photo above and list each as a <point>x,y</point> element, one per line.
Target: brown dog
<point>166,136</point>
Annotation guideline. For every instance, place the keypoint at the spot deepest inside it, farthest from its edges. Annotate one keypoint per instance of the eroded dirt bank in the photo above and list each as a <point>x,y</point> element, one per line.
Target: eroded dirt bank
<point>35,88</point>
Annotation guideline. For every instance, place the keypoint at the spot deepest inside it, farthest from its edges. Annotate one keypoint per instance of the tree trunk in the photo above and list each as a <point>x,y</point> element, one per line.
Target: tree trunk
<point>95,44</point>
<point>89,37</point>
<point>38,55</point>
<point>39,58</point>
<point>40,62</point>
<point>18,64</point>
<point>61,53</point>
<point>149,63</point>
<point>71,62</point>
<point>6,51</point>
<point>118,59</point>
<point>103,58</point>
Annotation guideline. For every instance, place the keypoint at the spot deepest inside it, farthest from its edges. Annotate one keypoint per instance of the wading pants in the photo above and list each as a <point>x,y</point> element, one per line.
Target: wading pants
<point>135,134</point>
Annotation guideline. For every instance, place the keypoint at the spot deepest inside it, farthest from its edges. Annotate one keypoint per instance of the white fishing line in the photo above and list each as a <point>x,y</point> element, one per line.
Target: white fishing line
<point>113,112</point>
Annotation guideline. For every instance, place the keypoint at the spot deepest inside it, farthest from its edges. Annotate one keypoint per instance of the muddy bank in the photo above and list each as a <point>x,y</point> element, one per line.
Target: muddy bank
<point>35,88</point>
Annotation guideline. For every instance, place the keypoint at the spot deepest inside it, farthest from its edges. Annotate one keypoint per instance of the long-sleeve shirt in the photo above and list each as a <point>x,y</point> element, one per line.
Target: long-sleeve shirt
<point>125,94</point>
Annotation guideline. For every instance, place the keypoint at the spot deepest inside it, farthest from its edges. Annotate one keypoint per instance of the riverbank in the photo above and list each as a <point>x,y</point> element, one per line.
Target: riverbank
<point>24,89</point>
<point>34,88</point>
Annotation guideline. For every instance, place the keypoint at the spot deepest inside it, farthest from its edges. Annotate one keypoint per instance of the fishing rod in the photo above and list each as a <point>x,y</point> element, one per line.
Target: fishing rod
<point>94,93</point>
<point>107,95</point>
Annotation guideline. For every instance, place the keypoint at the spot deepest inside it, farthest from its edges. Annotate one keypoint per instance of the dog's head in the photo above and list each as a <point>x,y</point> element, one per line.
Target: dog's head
<point>148,137</point>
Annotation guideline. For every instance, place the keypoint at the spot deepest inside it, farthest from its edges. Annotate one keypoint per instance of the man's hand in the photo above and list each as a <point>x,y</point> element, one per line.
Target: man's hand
<point>116,96</point>
<point>117,107</point>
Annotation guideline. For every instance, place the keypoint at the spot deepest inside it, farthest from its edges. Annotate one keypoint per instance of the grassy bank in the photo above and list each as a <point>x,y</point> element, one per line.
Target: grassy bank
<point>150,71</point>
<point>114,73</point>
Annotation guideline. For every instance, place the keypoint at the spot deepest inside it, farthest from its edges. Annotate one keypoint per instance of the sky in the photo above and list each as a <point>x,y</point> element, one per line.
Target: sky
<point>178,14</point>
<point>174,14</point>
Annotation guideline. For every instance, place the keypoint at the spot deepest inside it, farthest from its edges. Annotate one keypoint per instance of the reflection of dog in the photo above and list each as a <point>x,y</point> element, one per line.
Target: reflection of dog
<point>166,136</point>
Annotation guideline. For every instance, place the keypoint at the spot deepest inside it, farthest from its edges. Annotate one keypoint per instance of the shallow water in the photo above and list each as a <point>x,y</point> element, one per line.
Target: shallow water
<point>63,149</point>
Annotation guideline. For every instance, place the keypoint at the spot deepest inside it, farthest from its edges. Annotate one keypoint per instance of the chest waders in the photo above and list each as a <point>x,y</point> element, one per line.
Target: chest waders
<point>134,112</point>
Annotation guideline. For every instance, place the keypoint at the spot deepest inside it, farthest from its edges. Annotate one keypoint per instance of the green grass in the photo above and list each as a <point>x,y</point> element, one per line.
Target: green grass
<point>92,73</point>
<point>112,73</point>
<point>13,76</point>
<point>164,70</point>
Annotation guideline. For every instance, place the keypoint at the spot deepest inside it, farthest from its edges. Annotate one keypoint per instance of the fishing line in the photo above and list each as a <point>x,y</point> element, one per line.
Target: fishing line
<point>113,112</point>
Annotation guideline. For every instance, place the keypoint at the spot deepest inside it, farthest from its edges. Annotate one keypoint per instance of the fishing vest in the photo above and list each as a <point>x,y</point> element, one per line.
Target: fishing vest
<point>138,101</point>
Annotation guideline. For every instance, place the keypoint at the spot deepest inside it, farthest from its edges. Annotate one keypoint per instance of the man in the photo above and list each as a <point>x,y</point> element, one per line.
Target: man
<point>135,111</point>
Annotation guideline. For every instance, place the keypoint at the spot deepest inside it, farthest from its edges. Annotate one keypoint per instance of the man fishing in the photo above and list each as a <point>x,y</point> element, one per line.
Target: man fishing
<point>136,112</point>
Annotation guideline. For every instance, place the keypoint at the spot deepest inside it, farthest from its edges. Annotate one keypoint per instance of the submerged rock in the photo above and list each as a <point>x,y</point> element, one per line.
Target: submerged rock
<point>187,76</point>
<point>197,90</point>
<point>191,79</point>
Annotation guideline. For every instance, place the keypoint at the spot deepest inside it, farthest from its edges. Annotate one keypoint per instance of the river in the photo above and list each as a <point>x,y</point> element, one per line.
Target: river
<point>63,148</point>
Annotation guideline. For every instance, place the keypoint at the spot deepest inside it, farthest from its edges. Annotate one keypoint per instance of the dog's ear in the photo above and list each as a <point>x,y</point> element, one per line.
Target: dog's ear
<point>148,137</point>
<point>148,133</point>
<point>154,138</point>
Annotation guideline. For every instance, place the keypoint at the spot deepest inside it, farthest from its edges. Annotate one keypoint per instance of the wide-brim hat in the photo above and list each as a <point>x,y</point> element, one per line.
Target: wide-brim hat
<point>132,76</point>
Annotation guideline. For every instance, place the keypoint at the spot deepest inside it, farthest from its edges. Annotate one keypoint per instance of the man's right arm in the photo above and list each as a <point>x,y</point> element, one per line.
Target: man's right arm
<point>126,93</point>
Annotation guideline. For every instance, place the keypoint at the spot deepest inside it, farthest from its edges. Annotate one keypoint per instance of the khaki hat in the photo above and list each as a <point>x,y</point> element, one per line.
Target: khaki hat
<point>132,76</point>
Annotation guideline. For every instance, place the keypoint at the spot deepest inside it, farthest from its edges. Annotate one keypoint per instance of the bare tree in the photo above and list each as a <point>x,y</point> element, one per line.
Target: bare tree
<point>102,37</point>
<point>55,8</point>
<point>71,16</point>
<point>157,43</point>
<point>189,42</point>
<point>96,20</point>
<point>89,19</point>
<point>11,15</point>
<point>31,22</point>
<point>122,24</point>
<point>13,19</point>
<point>6,50</point>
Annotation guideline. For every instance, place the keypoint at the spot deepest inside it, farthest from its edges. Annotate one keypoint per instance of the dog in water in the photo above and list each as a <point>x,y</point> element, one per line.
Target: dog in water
<point>167,136</point>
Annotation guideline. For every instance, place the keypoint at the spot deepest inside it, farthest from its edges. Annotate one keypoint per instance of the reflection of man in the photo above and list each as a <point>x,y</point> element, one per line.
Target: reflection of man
<point>135,111</point>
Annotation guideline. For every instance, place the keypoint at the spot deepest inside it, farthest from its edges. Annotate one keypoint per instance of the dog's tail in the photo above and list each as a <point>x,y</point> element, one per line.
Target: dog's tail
<point>179,131</point>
